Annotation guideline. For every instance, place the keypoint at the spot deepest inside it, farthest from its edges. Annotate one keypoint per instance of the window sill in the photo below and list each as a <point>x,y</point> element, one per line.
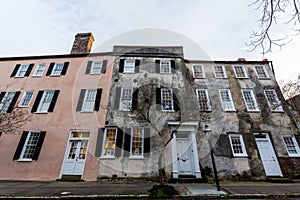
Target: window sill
<point>19,76</point>
<point>268,78</point>
<point>24,160</point>
<point>55,75</point>
<point>19,106</point>
<point>199,77</point>
<point>94,73</point>
<point>253,111</point>
<point>294,156</point>
<point>168,111</point>
<point>84,111</point>
<point>37,76</point>
<point>221,77</point>
<point>128,72</point>
<point>41,112</point>
<point>240,156</point>
<point>229,110</point>
<point>107,157</point>
<point>242,77</point>
<point>136,157</point>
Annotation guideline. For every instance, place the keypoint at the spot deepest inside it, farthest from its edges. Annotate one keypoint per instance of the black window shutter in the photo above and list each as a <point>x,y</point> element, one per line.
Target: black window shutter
<point>176,104</point>
<point>50,69</point>
<point>104,64</point>
<point>127,142</point>
<point>88,67</point>
<point>173,66</point>
<point>158,99</point>
<point>37,101</point>
<point>157,66</point>
<point>146,142</point>
<point>117,98</point>
<point>135,96</point>
<point>13,102</point>
<point>99,143</point>
<point>15,70</point>
<point>53,101</point>
<point>137,66</point>
<point>20,145</point>
<point>98,99</point>
<point>39,144</point>
<point>80,100</point>
<point>121,66</point>
<point>2,95</point>
<point>29,69</point>
<point>65,68</point>
<point>119,142</point>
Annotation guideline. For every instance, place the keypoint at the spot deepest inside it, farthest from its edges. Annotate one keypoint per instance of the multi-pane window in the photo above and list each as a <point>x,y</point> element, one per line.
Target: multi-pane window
<point>136,142</point>
<point>250,100</point>
<point>198,71</point>
<point>6,101</point>
<point>126,99</point>
<point>219,71</point>
<point>203,99</point>
<point>226,100</point>
<point>240,71</point>
<point>261,71</point>
<point>273,100</point>
<point>57,69</point>
<point>89,100</point>
<point>30,145</point>
<point>39,70</point>
<point>26,98</point>
<point>165,66</point>
<point>237,145</point>
<point>96,67</point>
<point>45,101</point>
<point>167,99</point>
<point>291,145</point>
<point>109,142</point>
<point>22,71</point>
<point>129,66</point>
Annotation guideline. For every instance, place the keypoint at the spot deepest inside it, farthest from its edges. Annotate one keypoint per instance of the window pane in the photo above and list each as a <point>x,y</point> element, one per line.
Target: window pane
<point>46,101</point>
<point>261,72</point>
<point>22,70</point>
<point>39,70</point>
<point>198,71</point>
<point>96,67</point>
<point>89,100</point>
<point>240,71</point>
<point>203,100</point>
<point>137,142</point>
<point>219,71</point>
<point>125,103</point>
<point>273,100</point>
<point>26,99</point>
<point>6,101</point>
<point>57,69</point>
<point>236,145</point>
<point>290,145</point>
<point>165,66</point>
<point>109,145</point>
<point>250,100</point>
<point>167,99</point>
<point>30,146</point>
<point>129,65</point>
<point>226,100</point>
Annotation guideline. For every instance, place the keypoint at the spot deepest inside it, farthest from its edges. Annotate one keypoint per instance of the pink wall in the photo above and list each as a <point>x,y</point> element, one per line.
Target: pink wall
<point>58,123</point>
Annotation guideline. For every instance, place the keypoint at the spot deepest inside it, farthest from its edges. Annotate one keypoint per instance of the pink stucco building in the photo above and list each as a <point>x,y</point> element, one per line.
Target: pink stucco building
<point>66,97</point>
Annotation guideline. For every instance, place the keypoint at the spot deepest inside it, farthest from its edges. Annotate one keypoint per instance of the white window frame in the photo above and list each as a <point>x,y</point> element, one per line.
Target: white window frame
<point>26,99</point>
<point>39,70</point>
<point>112,154</point>
<point>241,144</point>
<point>28,144</point>
<point>129,65</point>
<point>6,101</point>
<point>125,100</point>
<point>242,67</point>
<point>227,105</point>
<point>95,69</point>
<point>88,103</point>
<point>223,70</point>
<point>165,67</point>
<point>265,72</point>
<point>201,69</point>
<point>45,101</point>
<point>57,69</point>
<point>278,106</point>
<point>207,99</point>
<point>22,70</point>
<point>163,101</point>
<point>251,101</point>
<point>131,140</point>
<point>295,146</point>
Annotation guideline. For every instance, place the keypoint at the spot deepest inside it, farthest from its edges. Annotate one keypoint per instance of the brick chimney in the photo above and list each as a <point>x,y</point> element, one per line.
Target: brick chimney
<point>83,43</point>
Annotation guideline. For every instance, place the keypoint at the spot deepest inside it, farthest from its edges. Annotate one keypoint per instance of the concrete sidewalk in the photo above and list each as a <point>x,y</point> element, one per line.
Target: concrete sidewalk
<point>139,190</point>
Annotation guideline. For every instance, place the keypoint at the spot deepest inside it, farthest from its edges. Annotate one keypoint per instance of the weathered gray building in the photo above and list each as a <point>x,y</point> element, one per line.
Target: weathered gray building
<point>164,111</point>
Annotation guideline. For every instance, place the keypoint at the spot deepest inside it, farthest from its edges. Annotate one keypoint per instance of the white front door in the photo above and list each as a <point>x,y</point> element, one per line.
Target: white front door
<point>184,157</point>
<point>267,155</point>
<point>76,153</point>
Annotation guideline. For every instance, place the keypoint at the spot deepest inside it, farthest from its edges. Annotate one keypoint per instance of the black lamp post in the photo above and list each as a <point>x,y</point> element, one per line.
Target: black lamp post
<point>206,131</point>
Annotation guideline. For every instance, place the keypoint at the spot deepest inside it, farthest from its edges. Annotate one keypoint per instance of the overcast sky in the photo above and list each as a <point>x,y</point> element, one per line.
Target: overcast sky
<point>220,28</point>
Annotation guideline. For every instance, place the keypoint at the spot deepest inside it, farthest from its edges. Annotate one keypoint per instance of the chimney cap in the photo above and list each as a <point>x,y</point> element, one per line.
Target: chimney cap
<point>265,60</point>
<point>241,59</point>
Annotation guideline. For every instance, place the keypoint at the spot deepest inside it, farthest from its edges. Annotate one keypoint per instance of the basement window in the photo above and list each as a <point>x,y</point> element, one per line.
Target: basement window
<point>237,145</point>
<point>291,145</point>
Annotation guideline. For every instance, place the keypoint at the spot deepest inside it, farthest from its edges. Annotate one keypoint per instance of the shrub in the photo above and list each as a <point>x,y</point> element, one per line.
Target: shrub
<point>162,191</point>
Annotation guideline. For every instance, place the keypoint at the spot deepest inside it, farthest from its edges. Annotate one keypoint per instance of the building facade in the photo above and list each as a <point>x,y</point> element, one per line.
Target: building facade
<point>132,111</point>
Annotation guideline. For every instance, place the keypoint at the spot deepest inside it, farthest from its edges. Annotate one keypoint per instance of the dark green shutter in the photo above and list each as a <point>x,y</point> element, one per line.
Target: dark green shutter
<point>146,142</point>
<point>173,66</point>
<point>121,66</point>
<point>157,66</point>
<point>104,64</point>
<point>176,103</point>
<point>13,102</point>
<point>135,96</point>
<point>29,70</point>
<point>16,69</point>
<point>137,66</point>
<point>98,99</point>
<point>37,101</point>
<point>80,100</point>
<point>127,142</point>
<point>117,98</point>
<point>39,144</point>
<point>99,143</point>
<point>88,67</point>
<point>53,101</point>
<point>20,145</point>
<point>50,69</point>
<point>65,68</point>
<point>158,99</point>
<point>119,142</point>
